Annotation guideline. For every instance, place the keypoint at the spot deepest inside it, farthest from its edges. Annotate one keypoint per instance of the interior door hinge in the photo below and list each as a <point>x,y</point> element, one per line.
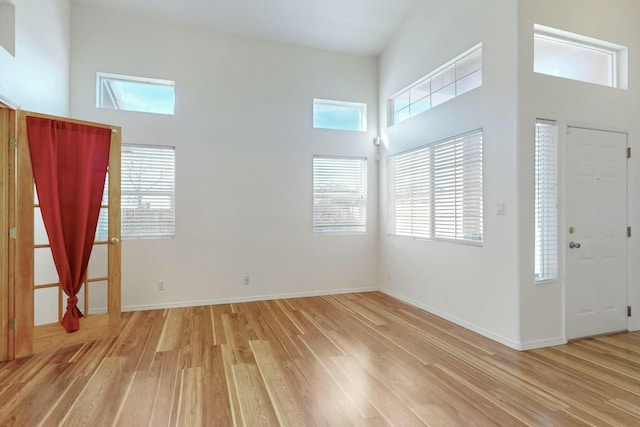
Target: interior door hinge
<point>13,233</point>
<point>12,323</point>
<point>13,142</point>
<point>628,231</point>
<point>628,152</point>
<point>628,311</point>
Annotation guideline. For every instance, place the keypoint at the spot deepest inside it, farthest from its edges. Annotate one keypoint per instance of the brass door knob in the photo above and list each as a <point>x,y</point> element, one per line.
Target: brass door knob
<point>114,240</point>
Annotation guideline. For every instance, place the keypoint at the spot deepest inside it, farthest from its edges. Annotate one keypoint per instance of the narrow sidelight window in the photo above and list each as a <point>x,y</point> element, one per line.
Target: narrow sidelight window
<point>546,211</point>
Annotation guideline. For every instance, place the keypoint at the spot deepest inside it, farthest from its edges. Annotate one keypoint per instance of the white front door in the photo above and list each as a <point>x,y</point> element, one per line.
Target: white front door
<point>596,232</point>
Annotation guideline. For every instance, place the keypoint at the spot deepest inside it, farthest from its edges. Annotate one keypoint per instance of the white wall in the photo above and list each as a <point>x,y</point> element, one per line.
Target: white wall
<point>244,145</point>
<point>37,77</point>
<point>473,286</point>
<point>571,102</point>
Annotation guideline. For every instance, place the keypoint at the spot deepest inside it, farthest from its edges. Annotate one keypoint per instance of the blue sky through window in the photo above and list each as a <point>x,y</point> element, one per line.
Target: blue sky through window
<point>145,97</point>
<point>136,94</point>
<point>338,115</point>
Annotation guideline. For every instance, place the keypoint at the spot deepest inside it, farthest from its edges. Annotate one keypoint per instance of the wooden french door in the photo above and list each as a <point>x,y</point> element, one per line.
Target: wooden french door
<point>39,299</point>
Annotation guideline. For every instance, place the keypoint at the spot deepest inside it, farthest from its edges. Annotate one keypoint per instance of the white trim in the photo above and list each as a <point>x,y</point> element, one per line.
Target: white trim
<point>576,39</point>
<point>198,303</point>
<point>551,342</point>
<point>470,326</point>
<point>100,75</point>
<point>474,328</point>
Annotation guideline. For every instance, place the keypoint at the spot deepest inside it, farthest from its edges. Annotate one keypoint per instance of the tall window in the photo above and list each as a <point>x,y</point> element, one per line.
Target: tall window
<point>546,215</point>
<point>131,93</point>
<point>339,194</point>
<point>435,191</point>
<point>458,76</point>
<point>148,191</point>
<point>572,56</point>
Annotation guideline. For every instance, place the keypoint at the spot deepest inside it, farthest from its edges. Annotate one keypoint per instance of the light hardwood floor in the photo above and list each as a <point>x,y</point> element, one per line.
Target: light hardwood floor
<point>360,359</point>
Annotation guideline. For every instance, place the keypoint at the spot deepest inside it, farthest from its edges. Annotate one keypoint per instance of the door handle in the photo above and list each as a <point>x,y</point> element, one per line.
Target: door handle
<point>574,245</point>
<point>115,240</point>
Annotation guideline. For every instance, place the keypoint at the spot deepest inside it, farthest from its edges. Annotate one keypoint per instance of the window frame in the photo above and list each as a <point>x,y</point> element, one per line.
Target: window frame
<point>427,80</point>
<point>426,190</point>
<point>360,227</point>
<point>361,107</point>
<point>618,63</point>
<point>102,80</point>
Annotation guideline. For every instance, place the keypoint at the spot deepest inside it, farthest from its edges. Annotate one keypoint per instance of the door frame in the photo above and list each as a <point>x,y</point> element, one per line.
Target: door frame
<point>563,242</point>
<point>7,220</point>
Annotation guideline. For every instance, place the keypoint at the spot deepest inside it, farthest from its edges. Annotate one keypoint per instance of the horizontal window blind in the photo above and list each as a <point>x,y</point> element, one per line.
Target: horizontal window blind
<point>546,216</point>
<point>148,191</point>
<point>435,191</point>
<point>339,194</point>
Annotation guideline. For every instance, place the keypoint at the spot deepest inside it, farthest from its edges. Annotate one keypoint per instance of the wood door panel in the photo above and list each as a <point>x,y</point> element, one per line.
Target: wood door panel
<point>30,339</point>
<point>7,133</point>
<point>24,243</point>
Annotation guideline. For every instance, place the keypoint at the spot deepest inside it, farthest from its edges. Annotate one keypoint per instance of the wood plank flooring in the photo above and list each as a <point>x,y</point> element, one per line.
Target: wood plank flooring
<point>359,359</point>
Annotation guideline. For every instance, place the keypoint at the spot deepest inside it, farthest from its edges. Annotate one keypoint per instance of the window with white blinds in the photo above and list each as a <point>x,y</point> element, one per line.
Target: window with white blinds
<point>148,191</point>
<point>339,194</point>
<point>435,191</point>
<point>546,214</point>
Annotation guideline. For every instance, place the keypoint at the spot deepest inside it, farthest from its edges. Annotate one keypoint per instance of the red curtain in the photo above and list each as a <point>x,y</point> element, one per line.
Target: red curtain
<point>69,168</point>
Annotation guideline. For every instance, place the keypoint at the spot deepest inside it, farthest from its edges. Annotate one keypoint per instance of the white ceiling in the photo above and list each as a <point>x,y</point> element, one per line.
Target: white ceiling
<point>350,26</point>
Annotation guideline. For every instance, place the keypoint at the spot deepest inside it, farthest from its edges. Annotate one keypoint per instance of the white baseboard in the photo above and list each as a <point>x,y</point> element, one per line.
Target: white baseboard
<point>530,345</point>
<point>634,325</point>
<point>183,304</point>
<point>475,328</point>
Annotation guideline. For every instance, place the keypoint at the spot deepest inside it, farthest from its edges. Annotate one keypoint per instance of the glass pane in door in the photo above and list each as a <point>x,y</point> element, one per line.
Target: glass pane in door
<point>45,307</point>
<point>98,297</point>
<point>44,269</point>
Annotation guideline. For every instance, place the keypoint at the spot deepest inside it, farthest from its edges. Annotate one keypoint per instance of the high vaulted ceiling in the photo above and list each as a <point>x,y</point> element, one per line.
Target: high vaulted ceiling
<point>350,26</point>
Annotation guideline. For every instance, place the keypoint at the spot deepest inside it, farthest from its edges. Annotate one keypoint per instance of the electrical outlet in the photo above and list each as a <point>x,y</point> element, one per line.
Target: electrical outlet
<point>161,285</point>
<point>246,280</point>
